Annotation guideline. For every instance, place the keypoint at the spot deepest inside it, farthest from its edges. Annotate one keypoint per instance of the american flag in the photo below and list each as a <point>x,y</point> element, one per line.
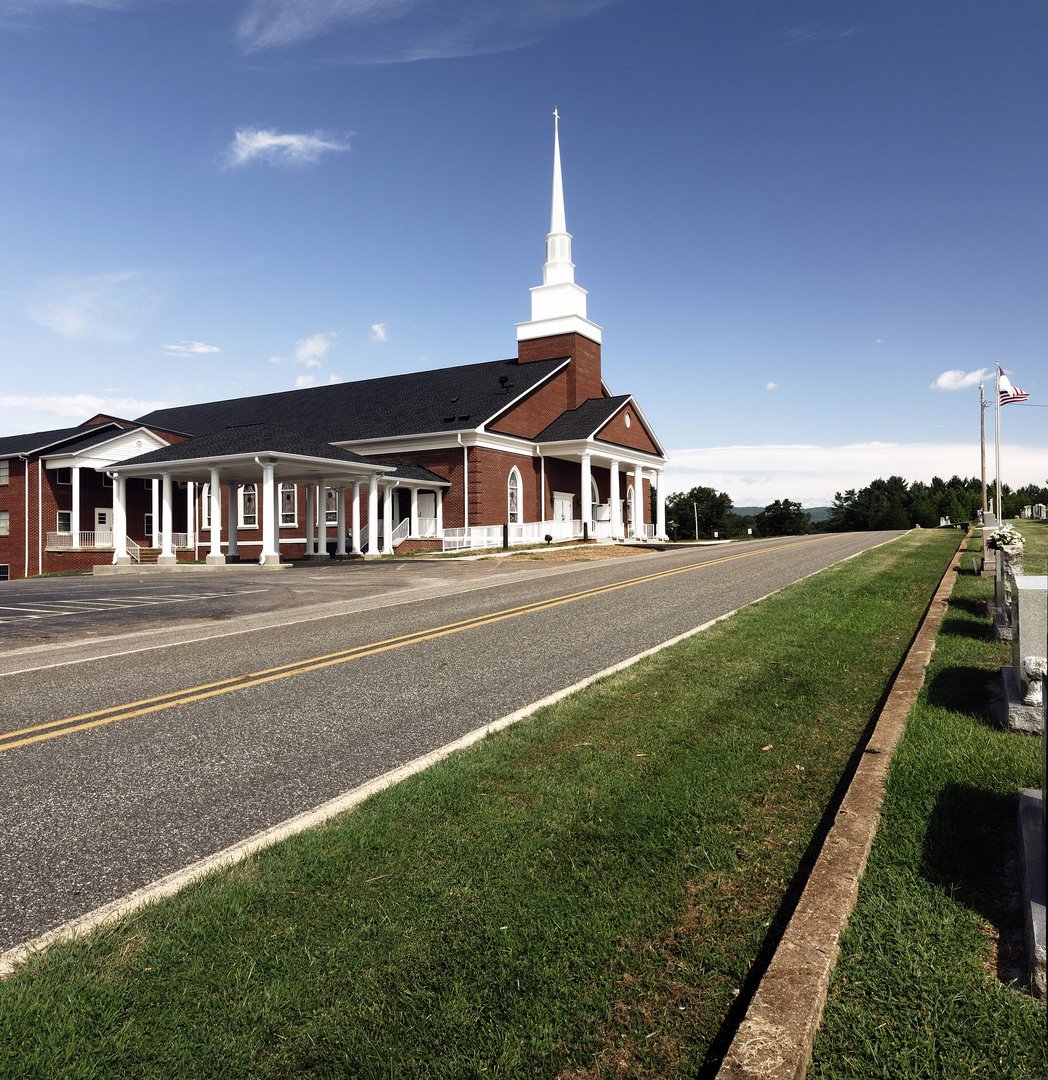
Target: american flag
<point>1009,394</point>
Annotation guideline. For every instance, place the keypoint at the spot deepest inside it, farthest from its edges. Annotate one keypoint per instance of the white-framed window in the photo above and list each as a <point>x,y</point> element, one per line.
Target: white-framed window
<point>5,523</point>
<point>64,477</point>
<point>331,506</point>
<point>147,527</point>
<point>288,504</point>
<point>630,526</point>
<point>64,521</point>
<point>249,506</point>
<point>513,497</point>
<point>205,507</point>
<point>5,571</point>
<point>5,472</point>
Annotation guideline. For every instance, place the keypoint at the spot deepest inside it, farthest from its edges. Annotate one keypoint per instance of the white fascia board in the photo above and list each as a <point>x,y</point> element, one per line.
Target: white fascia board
<point>104,455</point>
<point>512,444</point>
<point>520,397</point>
<point>315,466</point>
<point>575,448</point>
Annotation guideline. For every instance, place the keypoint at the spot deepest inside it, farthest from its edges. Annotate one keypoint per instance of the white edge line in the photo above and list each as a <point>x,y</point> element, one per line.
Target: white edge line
<point>175,882</point>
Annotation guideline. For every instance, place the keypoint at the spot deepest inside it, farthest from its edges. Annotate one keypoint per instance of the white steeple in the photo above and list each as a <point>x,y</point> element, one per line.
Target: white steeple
<point>558,305</point>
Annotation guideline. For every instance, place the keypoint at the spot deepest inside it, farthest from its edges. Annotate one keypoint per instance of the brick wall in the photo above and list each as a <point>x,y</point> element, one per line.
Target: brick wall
<point>583,373</point>
<point>635,436</point>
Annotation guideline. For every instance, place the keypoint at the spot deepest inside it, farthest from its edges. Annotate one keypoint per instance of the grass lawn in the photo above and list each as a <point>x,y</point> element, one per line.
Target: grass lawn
<point>918,991</point>
<point>582,895</point>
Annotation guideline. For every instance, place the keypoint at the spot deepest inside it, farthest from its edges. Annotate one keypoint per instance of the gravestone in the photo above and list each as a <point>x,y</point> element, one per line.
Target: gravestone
<point>989,524</point>
<point>1023,680</point>
<point>1009,567</point>
<point>1032,831</point>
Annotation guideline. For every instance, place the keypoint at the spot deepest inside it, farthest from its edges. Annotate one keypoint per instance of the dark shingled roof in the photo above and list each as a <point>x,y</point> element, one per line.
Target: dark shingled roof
<point>583,422</point>
<point>245,439</point>
<point>45,440</point>
<point>414,472</point>
<point>447,399</point>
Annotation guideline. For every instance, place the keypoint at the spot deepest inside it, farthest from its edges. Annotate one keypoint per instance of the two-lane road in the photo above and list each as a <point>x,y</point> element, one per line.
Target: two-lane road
<point>131,748</point>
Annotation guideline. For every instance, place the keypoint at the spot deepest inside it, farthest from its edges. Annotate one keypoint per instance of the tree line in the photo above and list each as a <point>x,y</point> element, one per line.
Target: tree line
<point>705,514</point>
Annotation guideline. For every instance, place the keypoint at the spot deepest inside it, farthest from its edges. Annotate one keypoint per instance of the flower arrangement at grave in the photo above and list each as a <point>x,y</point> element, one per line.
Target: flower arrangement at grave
<point>1006,536</point>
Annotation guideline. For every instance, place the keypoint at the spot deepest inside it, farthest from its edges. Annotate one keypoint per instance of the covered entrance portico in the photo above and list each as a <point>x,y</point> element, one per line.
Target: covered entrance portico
<point>251,482</point>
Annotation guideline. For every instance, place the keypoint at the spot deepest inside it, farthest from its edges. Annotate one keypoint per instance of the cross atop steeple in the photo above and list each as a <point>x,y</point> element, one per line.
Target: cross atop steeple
<point>558,305</point>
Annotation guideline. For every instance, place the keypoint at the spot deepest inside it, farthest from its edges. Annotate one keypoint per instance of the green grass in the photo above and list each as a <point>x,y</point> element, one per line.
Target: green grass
<point>918,990</point>
<point>582,895</point>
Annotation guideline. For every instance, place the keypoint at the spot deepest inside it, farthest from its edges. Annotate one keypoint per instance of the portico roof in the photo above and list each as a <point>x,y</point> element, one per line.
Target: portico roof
<point>238,452</point>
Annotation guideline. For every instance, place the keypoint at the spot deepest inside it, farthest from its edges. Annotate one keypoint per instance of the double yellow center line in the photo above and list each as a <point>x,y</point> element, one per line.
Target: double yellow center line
<point>84,721</point>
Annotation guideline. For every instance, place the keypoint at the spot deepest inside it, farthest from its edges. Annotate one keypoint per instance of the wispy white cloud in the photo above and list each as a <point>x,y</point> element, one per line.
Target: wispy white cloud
<point>960,380</point>
<point>390,31</point>
<point>110,308</point>
<point>281,148</point>
<point>809,35</point>
<point>303,382</point>
<point>771,386</point>
<point>68,409</point>
<point>811,475</point>
<point>311,351</point>
<point>190,348</point>
<point>378,331</point>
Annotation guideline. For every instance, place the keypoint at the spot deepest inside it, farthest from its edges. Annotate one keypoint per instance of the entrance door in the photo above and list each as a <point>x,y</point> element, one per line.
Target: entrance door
<point>104,526</point>
<point>427,513</point>
<point>562,504</point>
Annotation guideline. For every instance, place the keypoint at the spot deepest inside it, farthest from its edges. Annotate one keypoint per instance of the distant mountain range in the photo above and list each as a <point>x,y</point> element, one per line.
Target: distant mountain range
<point>817,513</point>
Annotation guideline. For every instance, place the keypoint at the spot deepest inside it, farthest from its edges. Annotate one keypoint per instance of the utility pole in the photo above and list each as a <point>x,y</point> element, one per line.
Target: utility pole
<point>982,443</point>
<point>695,507</point>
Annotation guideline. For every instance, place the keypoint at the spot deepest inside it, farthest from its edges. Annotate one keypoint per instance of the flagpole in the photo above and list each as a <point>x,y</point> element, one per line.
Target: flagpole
<point>982,443</point>
<point>997,440</point>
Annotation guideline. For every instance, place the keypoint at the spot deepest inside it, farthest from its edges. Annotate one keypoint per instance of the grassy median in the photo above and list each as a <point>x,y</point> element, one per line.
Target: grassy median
<point>583,895</point>
<point>921,989</point>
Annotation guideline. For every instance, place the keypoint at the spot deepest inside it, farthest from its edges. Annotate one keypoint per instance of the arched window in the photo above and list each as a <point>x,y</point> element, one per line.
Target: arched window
<point>630,529</point>
<point>513,496</point>
<point>288,505</point>
<point>205,506</point>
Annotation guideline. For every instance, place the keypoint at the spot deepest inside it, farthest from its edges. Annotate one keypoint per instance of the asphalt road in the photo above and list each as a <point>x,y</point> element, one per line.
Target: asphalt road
<point>149,722</point>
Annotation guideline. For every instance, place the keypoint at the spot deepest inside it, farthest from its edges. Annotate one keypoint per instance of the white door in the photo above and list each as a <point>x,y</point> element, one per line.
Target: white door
<point>104,526</point>
<point>427,513</point>
<point>562,503</point>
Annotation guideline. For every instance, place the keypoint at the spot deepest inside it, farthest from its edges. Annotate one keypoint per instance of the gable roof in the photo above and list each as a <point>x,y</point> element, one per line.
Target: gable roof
<point>248,439</point>
<point>583,422</point>
<point>37,441</point>
<point>446,399</point>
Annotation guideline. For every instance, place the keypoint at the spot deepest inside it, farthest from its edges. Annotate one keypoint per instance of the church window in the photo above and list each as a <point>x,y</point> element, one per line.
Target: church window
<point>513,496</point>
<point>249,506</point>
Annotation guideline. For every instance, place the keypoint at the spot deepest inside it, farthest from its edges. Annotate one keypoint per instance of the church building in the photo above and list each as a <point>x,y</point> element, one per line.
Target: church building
<point>524,450</point>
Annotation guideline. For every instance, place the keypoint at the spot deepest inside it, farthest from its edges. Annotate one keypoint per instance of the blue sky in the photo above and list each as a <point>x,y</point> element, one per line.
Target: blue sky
<point>793,218</point>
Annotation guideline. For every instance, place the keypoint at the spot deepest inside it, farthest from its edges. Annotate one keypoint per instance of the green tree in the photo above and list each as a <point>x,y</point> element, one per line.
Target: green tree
<point>711,508</point>
<point>783,518</point>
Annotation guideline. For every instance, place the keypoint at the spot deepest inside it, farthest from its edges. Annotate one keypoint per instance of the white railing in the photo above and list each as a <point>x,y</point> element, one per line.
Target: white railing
<point>401,532</point>
<point>427,527</point>
<point>80,540</point>
<point>178,540</point>
<point>133,550</point>
<point>478,537</point>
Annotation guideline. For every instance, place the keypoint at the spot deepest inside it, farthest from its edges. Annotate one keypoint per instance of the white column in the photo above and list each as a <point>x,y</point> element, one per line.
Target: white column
<point>74,517</point>
<point>190,512</point>
<point>660,505</point>
<point>638,501</point>
<point>355,550</point>
<point>215,555</point>
<point>310,513</point>
<point>154,540</point>
<point>269,534</point>
<point>586,497</point>
<point>232,515</point>
<point>440,513</point>
<point>616,502</point>
<point>387,521</point>
<point>373,552</point>
<point>167,555</point>
<point>322,529</point>
<point>340,528</point>
<point>120,556</point>
<point>414,513</point>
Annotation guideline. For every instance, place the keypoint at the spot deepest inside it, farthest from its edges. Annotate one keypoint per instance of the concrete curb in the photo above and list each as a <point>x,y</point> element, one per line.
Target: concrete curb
<point>774,1040</point>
